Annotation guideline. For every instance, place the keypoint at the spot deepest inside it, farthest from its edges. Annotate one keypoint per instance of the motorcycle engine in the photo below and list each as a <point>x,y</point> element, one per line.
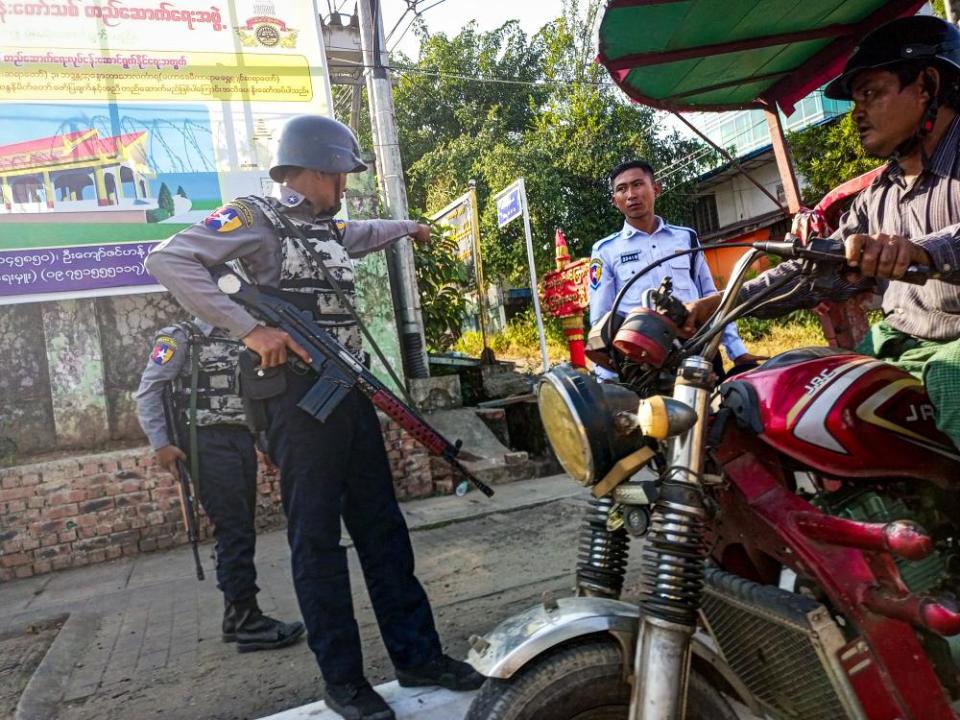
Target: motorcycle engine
<point>924,575</point>
<point>937,574</point>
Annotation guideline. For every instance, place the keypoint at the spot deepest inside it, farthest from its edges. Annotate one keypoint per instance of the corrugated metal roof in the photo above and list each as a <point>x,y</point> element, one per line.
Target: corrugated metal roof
<point>734,54</point>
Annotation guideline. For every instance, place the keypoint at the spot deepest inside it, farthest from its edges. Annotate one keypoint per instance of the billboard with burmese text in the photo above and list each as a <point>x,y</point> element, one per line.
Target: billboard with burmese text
<point>124,121</point>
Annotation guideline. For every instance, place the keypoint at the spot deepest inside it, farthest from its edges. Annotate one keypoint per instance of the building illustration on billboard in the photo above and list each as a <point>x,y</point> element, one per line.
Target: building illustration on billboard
<point>77,171</point>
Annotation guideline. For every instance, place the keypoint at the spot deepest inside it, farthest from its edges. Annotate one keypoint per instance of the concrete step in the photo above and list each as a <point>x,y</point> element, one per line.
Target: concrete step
<point>482,452</point>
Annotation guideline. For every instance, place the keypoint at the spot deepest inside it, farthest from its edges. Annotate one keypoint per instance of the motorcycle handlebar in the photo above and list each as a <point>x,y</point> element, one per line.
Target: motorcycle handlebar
<point>830,254</point>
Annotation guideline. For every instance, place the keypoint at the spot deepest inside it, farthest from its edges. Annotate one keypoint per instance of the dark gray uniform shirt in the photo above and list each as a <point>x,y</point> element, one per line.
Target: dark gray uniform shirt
<point>926,212</point>
<point>180,263</point>
<point>166,361</point>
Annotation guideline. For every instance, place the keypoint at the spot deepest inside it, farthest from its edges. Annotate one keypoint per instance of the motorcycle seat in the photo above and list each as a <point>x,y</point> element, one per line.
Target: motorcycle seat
<point>792,357</point>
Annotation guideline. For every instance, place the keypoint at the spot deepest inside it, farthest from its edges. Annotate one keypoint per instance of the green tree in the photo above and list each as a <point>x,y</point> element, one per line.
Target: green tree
<point>165,199</point>
<point>498,105</point>
<point>442,279</point>
<point>181,192</point>
<point>827,155</point>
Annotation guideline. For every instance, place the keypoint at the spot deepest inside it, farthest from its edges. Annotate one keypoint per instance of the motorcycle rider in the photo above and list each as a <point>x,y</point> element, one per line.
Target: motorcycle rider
<point>904,81</point>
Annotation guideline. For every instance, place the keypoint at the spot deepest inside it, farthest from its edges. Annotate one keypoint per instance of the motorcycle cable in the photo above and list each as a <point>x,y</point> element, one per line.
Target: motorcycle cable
<point>701,338</point>
<point>608,329</point>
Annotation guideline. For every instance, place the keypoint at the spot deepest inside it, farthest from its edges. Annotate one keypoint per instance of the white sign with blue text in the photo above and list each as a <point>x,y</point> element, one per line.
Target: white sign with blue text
<point>509,204</point>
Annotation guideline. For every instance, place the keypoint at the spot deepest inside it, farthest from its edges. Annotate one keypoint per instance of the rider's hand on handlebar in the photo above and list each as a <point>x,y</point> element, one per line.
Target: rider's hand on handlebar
<point>883,256</point>
<point>700,311</point>
<point>272,344</point>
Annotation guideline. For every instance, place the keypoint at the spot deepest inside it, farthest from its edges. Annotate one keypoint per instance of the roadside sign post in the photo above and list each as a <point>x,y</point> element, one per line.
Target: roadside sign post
<point>486,357</point>
<point>511,204</point>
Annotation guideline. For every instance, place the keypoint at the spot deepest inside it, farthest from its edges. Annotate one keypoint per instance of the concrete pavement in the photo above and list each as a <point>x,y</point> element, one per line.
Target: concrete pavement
<point>141,638</point>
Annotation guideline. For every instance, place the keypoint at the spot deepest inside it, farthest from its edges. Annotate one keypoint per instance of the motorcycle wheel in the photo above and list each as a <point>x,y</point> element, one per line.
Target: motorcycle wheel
<point>581,682</point>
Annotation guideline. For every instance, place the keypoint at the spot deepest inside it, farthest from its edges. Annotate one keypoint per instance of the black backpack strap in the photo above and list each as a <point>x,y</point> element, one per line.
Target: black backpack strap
<point>694,245</point>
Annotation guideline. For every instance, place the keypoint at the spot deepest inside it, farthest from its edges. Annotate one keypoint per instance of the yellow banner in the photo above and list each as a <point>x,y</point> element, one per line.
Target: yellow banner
<point>79,74</point>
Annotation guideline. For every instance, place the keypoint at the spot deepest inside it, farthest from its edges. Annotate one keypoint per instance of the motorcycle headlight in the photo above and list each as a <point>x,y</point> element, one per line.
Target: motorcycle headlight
<point>578,415</point>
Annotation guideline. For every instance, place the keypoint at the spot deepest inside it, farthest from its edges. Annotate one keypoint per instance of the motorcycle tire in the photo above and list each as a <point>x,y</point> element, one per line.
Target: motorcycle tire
<point>581,682</point>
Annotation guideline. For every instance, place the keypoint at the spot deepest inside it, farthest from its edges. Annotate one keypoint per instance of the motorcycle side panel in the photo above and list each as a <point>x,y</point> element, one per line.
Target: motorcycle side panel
<point>759,520</point>
<point>847,415</point>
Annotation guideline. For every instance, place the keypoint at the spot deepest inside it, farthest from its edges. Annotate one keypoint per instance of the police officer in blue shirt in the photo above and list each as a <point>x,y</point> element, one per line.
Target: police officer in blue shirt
<point>644,238</point>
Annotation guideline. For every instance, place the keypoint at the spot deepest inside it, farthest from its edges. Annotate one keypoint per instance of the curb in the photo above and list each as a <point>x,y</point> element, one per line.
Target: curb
<point>48,684</point>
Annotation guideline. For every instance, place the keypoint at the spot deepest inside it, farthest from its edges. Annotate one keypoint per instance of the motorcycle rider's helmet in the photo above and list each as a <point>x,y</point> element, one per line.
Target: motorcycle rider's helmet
<point>315,142</point>
<point>918,38</point>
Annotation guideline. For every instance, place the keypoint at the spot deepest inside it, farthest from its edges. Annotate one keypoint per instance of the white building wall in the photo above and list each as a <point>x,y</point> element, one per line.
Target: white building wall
<point>738,199</point>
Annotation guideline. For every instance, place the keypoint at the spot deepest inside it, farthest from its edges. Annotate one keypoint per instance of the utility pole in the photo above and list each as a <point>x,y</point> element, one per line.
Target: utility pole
<point>400,263</point>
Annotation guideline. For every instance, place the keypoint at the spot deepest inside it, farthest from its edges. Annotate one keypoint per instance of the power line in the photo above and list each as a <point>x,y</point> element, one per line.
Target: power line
<point>474,78</point>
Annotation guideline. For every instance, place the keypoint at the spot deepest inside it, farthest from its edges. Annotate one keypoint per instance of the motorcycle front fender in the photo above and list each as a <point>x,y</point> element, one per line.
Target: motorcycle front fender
<point>520,639</point>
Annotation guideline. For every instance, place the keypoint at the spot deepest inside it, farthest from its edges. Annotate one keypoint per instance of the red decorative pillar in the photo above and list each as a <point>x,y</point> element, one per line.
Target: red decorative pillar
<point>565,296</point>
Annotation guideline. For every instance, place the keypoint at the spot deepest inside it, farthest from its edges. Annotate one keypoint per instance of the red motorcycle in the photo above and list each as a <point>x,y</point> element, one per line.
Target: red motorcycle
<point>800,533</point>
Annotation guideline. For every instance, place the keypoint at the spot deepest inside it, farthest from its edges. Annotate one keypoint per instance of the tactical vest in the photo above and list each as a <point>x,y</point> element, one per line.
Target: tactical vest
<point>301,280</point>
<point>217,399</point>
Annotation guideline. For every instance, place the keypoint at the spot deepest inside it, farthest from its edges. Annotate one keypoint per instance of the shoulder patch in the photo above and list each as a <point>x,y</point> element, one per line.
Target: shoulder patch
<point>230,217</point>
<point>290,198</point>
<point>163,350</point>
<point>596,272</point>
<point>340,224</point>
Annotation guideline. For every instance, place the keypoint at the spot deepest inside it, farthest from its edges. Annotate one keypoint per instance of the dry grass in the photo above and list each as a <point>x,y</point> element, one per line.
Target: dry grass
<point>780,338</point>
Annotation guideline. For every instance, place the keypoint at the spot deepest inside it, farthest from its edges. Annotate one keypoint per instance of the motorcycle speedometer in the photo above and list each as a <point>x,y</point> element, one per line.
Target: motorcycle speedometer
<point>578,414</point>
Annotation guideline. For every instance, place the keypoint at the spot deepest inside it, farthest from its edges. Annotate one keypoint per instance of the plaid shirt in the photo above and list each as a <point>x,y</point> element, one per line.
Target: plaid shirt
<point>927,213</point>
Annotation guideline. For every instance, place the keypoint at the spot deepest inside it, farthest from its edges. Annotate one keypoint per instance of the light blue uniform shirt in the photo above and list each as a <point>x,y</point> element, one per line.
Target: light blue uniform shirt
<point>620,256</point>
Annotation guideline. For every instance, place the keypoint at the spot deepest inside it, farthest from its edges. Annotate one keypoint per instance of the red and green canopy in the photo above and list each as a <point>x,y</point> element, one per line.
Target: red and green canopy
<point>734,54</point>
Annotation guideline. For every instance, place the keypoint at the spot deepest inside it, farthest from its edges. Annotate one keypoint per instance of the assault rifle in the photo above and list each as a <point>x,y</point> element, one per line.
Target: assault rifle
<point>338,370</point>
<point>188,501</point>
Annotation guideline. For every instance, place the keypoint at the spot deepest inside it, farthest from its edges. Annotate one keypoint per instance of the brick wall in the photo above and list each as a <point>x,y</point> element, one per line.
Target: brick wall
<point>91,508</point>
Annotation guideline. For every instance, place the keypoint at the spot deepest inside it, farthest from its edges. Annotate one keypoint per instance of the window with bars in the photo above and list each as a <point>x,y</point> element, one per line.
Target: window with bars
<point>705,218</point>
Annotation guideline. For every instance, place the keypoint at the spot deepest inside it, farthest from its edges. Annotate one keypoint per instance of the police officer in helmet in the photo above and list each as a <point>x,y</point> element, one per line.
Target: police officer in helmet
<point>226,462</point>
<point>331,470</point>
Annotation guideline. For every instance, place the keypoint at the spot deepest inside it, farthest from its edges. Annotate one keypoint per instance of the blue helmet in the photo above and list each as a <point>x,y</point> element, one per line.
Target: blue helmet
<point>317,143</point>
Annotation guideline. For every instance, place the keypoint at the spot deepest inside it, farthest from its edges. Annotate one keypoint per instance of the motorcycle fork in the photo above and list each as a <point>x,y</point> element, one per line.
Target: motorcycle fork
<point>673,563</point>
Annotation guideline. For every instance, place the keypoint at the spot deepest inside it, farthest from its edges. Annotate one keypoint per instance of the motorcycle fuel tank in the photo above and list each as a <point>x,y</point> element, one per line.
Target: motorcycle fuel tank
<point>848,415</point>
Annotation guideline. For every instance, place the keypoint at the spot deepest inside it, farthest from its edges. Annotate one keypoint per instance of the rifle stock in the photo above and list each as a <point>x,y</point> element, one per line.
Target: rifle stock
<point>188,502</point>
<point>339,370</point>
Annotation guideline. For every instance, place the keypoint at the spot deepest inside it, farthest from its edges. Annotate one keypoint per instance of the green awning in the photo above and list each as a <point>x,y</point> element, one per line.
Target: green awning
<point>734,54</point>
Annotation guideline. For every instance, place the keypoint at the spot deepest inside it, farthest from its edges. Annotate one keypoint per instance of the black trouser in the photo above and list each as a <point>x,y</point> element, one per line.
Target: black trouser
<point>336,469</point>
<point>228,493</point>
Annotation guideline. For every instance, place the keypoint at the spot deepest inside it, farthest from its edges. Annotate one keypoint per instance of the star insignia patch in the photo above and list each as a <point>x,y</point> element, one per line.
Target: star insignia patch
<point>596,272</point>
<point>230,217</point>
<point>163,351</point>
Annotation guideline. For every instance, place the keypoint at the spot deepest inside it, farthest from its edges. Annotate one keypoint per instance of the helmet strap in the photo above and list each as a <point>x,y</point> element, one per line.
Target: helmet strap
<point>927,123</point>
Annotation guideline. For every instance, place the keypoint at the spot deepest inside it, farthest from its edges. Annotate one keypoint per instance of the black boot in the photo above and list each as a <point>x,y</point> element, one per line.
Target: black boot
<point>445,672</point>
<point>246,624</point>
<point>358,701</point>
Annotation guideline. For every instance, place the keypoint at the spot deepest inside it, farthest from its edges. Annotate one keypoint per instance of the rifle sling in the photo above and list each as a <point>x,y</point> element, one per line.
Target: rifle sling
<point>328,277</point>
<point>192,419</point>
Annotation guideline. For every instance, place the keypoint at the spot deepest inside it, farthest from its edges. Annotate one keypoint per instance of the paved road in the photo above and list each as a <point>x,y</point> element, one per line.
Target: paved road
<point>142,637</point>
